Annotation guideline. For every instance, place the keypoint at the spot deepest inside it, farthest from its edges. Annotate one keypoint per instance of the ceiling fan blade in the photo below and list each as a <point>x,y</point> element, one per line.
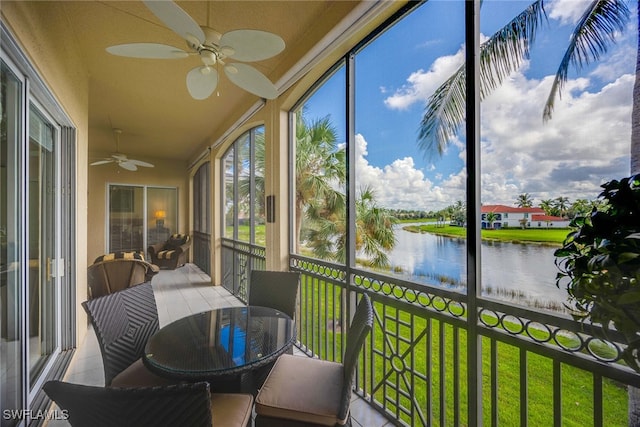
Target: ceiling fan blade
<point>147,51</point>
<point>176,19</point>
<point>102,162</point>
<point>140,163</point>
<point>128,166</point>
<point>251,80</point>
<point>252,45</point>
<point>201,82</point>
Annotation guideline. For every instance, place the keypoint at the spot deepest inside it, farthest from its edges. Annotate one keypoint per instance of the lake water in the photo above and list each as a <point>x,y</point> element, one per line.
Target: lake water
<point>510,271</point>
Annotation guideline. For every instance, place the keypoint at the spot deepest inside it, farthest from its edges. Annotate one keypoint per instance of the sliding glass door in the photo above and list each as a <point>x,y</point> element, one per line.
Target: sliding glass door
<point>11,295</point>
<point>36,193</point>
<point>140,216</point>
<point>42,207</point>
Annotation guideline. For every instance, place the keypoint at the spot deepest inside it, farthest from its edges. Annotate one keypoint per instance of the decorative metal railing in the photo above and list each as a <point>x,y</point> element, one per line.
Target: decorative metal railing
<point>531,368</point>
<point>238,259</point>
<point>202,251</point>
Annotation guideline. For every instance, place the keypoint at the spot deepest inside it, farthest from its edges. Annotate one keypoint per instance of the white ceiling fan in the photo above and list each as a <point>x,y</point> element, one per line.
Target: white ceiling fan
<point>213,49</point>
<point>121,159</point>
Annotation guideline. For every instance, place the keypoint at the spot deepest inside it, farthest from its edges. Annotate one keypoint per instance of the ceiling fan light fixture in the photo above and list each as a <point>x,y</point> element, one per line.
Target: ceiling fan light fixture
<point>208,57</point>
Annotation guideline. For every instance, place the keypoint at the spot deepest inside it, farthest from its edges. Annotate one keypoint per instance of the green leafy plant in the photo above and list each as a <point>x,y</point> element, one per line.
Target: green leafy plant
<point>600,264</point>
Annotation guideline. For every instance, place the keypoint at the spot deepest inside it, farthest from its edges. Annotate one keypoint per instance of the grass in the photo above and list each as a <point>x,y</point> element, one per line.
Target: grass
<point>427,347</point>
<point>536,235</point>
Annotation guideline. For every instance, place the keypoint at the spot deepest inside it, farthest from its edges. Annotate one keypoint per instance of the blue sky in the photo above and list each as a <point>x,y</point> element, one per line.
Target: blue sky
<point>584,145</point>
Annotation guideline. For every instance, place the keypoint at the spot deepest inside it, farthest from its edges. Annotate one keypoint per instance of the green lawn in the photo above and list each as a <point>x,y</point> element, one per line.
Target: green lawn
<point>537,235</point>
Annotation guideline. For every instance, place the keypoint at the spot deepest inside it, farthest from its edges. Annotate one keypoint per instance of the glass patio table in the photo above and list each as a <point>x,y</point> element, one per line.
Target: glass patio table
<point>220,343</point>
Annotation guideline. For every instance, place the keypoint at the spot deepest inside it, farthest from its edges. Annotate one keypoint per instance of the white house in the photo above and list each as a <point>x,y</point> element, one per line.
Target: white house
<point>510,216</point>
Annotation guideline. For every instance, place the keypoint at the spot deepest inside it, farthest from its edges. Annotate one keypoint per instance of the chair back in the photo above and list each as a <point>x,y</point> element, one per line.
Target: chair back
<point>361,325</point>
<point>116,271</point>
<point>123,321</point>
<point>275,289</point>
<point>174,405</point>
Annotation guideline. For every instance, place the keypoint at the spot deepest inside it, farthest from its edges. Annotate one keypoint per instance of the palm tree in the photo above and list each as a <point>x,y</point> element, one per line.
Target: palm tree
<point>320,174</point>
<point>561,203</point>
<point>524,200</point>
<point>320,169</point>
<point>505,51</point>
<point>549,207</point>
<point>491,218</point>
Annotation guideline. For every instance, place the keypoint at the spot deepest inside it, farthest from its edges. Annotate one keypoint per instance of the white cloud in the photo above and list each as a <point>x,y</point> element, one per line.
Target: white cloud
<point>567,11</point>
<point>401,185</point>
<point>585,143</point>
<point>421,84</point>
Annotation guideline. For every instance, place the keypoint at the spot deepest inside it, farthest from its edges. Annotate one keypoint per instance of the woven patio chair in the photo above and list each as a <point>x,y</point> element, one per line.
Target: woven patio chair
<point>123,322</point>
<point>188,405</point>
<point>302,391</point>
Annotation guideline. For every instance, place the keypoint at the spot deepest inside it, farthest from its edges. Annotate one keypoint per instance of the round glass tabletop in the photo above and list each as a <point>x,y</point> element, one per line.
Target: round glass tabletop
<point>225,341</point>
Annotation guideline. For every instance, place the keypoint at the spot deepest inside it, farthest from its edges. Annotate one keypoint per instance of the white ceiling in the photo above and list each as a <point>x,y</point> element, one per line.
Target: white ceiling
<point>148,98</point>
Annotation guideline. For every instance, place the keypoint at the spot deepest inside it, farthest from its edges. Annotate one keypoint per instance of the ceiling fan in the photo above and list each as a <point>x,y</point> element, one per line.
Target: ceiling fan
<point>213,48</point>
<point>121,159</point>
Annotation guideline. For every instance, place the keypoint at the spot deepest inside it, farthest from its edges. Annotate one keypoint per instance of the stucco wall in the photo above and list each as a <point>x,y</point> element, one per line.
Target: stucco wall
<point>40,29</point>
<point>163,174</point>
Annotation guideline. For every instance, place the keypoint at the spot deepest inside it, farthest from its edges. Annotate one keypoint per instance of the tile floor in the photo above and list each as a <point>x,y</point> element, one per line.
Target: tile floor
<point>179,293</point>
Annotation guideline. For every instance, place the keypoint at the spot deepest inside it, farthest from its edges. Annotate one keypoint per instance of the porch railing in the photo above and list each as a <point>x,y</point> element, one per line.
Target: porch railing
<point>532,368</point>
<point>202,251</point>
<point>238,259</point>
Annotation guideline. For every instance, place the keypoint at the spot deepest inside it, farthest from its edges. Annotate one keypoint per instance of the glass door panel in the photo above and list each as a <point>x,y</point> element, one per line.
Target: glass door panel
<point>11,364</point>
<point>162,214</point>
<point>126,218</point>
<point>41,193</point>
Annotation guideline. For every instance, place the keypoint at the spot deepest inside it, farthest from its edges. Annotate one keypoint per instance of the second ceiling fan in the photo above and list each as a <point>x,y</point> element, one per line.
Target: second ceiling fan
<point>213,48</point>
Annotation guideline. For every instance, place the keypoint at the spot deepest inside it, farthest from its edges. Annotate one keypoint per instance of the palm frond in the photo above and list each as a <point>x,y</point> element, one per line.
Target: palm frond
<point>500,56</point>
<point>592,36</point>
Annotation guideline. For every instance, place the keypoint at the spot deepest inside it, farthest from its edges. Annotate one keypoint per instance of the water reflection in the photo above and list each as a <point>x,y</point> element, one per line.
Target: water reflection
<point>510,271</point>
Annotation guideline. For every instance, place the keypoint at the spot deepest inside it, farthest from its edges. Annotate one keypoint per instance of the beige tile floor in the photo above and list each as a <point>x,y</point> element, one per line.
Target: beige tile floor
<point>179,293</point>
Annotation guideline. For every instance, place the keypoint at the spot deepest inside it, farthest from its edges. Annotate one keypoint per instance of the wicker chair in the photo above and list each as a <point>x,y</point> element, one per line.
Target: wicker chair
<point>171,254</point>
<point>124,321</point>
<point>275,289</point>
<point>188,405</point>
<point>116,271</point>
<point>302,391</point>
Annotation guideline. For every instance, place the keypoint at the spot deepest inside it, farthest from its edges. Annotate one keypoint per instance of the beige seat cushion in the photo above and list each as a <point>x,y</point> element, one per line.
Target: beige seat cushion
<point>231,409</point>
<point>302,389</point>
<point>137,375</point>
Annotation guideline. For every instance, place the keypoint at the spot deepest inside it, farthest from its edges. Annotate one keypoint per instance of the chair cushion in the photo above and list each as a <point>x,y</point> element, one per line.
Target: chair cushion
<point>166,254</point>
<point>303,389</point>
<point>137,375</point>
<point>175,241</point>
<point>119,255</point>
<point>231,409</point>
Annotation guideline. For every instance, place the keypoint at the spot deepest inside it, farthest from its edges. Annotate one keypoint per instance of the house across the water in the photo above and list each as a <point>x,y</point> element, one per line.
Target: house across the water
<point>510,216</point>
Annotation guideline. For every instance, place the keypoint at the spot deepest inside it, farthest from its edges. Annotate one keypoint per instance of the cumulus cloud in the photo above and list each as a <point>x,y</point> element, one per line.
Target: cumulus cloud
<point>402,185</point>
<point>585,143</point>
<point>421,84</point>
<point>566,11</point>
